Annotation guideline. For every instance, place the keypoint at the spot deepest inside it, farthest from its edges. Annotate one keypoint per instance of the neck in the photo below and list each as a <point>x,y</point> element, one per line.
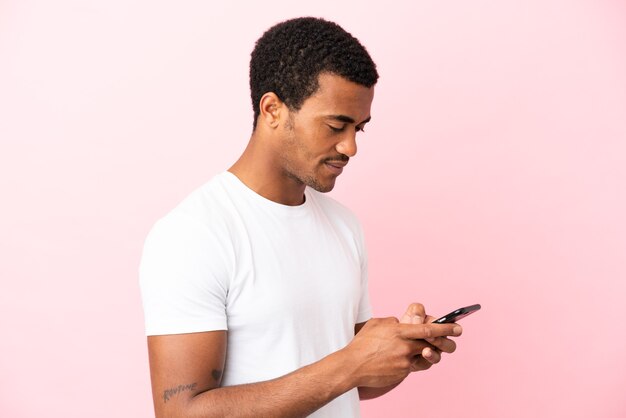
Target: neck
<point>260,171</point>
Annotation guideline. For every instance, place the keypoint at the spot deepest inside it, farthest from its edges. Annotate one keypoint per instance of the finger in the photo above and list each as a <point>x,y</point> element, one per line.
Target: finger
<point>406,319</point>
<point>432,356</point>
<point>443,344</point>
<point>423,331</point>
<point>417,319</point>
<point>416,309</point>
<point>420,363</point>
<point>428,320</point>
<point>417,347</point>
<point>414,314</point>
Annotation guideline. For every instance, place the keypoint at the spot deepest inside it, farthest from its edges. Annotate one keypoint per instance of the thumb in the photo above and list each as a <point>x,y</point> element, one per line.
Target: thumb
<point>414,314</point>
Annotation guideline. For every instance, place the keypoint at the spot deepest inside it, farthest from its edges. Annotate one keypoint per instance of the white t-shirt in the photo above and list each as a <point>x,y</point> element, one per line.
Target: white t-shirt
<point>288,282</point>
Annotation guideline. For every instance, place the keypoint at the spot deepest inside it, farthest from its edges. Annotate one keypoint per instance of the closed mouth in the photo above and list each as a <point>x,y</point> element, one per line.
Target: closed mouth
<point>338,164</point>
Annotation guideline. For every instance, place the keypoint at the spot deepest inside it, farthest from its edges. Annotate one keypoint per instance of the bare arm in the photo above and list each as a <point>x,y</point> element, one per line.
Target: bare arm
<point>186,372</point>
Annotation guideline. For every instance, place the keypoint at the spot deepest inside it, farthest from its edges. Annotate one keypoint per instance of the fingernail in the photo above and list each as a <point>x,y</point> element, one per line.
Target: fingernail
<point>416,319</point>
<point>457,330</point>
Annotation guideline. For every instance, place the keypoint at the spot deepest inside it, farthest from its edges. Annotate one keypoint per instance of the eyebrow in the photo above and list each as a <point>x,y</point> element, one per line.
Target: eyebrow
<point>347,119</point>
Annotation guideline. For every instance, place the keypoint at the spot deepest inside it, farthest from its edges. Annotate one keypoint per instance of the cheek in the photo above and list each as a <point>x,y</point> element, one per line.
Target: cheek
<point>309,144</point>
<point>312,145</point>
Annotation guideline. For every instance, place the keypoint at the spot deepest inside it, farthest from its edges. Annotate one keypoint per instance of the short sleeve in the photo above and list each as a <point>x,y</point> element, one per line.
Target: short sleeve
<point>183,277</point>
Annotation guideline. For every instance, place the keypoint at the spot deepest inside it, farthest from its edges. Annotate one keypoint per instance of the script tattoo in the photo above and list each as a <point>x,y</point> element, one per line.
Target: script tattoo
<point>167,393</point>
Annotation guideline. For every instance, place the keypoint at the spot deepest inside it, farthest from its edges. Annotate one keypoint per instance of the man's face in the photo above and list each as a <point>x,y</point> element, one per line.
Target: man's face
<point>321,136</point>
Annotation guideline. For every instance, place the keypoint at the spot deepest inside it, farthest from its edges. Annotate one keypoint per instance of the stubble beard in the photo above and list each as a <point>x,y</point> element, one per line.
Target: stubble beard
<point>308,180</point>
<point>294,147</point>
<point>313,183</point>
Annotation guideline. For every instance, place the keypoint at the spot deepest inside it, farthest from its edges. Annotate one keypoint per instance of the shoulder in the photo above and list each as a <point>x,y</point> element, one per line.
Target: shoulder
<point>206,204</point>
<point>204,211</point>
<point>197,224</point>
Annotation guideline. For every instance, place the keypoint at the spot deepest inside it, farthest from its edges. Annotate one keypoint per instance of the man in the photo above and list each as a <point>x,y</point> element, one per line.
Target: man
<point>255,286</point>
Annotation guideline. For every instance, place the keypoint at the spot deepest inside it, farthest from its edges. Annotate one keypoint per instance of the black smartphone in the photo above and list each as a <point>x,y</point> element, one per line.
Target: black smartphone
<point>456,315</point>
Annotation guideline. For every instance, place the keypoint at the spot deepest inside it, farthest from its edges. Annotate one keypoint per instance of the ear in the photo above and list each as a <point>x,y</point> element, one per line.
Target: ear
<point>272,109</point>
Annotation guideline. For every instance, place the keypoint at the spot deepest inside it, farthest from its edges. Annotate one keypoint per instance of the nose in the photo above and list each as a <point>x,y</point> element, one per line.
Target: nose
<point>347,145</point>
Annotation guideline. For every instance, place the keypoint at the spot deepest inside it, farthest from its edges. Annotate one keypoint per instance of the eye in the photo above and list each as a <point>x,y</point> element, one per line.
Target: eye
<point>335,129</point>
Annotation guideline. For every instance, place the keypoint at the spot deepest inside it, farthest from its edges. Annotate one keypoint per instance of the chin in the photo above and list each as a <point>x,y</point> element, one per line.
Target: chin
<point>321,183</point>
<point>322,187</point>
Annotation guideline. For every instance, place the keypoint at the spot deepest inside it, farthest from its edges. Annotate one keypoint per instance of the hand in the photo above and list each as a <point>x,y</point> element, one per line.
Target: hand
<point>384,350</point>
<point>431,353</point>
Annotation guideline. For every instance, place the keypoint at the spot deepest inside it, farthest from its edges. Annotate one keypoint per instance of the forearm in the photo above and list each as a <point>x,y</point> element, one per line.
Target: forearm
<point>294,395</point>
<point>366,393</point>
<point>380,355</point>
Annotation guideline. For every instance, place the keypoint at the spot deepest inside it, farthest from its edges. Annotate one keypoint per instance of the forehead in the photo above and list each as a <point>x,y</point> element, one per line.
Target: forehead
<point>339,96</point>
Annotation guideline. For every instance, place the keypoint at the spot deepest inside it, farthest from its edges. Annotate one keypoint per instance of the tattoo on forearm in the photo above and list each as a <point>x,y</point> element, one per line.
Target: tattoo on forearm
<point>176,390</point>
<point>168,393</point>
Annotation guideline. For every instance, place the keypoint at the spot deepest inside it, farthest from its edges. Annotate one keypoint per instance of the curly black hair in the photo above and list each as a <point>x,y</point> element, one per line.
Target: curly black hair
<point>290,56</point>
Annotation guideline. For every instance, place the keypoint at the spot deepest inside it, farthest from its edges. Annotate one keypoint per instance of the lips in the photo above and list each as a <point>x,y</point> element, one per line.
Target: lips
<point>335,167</point>
<point>339,164</point>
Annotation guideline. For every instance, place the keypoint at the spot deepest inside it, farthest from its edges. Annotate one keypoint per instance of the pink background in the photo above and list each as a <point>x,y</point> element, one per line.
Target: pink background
<point>493,172</point>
